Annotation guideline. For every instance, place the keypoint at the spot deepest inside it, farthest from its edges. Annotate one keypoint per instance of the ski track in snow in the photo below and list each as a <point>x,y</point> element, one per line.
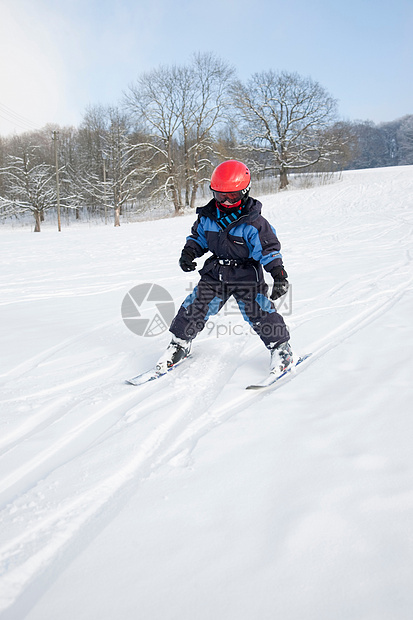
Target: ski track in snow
<point>75,440</point>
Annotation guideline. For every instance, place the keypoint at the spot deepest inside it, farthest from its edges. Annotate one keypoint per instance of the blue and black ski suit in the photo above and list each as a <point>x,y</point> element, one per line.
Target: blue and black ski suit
<point>242,242</point>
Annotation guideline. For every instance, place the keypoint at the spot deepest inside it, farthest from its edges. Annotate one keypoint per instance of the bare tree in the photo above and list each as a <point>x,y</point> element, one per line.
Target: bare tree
<point>202,120</point>
<point>120,155</point>
<point>30,186</point>
<point>285,115</point>
<point>156,102</point>
<point>178,108</point>
<point>88,172</point>
<point>107,179</point>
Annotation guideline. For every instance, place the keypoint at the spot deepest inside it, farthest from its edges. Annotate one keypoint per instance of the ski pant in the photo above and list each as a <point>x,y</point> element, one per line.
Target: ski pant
<point>209,297</point>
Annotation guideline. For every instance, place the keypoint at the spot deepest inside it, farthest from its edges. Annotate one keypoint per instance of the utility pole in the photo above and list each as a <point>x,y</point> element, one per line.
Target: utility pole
<point>104,188</point>
<point>55,139</point>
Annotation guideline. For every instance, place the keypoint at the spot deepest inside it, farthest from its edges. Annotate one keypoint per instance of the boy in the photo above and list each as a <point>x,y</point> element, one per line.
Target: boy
<point>242,243</point>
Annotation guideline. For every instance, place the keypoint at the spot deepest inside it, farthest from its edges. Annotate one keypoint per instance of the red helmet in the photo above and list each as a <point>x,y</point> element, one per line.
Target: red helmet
<point>230,182</point>
<point>230,176</point>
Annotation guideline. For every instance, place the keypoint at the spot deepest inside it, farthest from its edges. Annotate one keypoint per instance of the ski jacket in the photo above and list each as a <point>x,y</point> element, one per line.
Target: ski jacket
<point>248,241</point>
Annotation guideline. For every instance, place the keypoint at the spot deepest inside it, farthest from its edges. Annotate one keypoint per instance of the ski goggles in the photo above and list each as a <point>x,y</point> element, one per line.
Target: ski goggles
<point>228,197</point>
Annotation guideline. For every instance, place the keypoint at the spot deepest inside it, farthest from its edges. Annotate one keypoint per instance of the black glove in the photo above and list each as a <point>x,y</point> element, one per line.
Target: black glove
<point>280,286</point>
<point>186,262</point>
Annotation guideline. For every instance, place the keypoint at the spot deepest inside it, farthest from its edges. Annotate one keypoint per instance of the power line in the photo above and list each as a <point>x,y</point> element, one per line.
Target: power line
<point>6,118</point>
<point>14,117</point>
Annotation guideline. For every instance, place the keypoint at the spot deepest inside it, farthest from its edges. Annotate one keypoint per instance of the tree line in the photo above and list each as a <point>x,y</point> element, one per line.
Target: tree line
<point>173,125</point>
<point>386,144</point>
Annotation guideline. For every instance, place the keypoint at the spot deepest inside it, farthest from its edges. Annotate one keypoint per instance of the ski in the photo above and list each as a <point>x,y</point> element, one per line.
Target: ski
<point>152,374</point>
<point>273,378</point>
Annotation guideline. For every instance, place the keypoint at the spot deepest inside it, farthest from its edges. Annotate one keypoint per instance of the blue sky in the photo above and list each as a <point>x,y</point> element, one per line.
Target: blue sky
<point>57,57</point>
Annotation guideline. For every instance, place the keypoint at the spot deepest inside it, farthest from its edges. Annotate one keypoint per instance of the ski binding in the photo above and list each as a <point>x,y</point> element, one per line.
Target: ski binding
<point>274,378</point>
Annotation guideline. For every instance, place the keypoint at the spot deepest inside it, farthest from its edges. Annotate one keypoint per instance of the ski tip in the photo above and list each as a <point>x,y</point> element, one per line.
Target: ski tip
<point>302,358</point>
<point>145,377</point>
<point>153,373</point>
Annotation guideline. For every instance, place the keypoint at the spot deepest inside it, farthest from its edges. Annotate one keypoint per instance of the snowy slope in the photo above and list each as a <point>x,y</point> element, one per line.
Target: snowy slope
<point>192,498</point>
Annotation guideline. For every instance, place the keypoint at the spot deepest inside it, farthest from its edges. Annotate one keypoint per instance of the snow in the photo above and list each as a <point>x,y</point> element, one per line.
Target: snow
<point>192,497</point>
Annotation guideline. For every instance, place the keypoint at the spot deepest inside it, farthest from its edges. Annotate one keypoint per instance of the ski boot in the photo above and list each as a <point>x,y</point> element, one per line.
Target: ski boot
<point>177,351</point>
<point>282,358</point>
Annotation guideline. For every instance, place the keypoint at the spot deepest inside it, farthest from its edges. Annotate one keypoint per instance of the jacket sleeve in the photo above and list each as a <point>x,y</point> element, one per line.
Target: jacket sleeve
<point>265,245</point>
<point>197,240</point>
